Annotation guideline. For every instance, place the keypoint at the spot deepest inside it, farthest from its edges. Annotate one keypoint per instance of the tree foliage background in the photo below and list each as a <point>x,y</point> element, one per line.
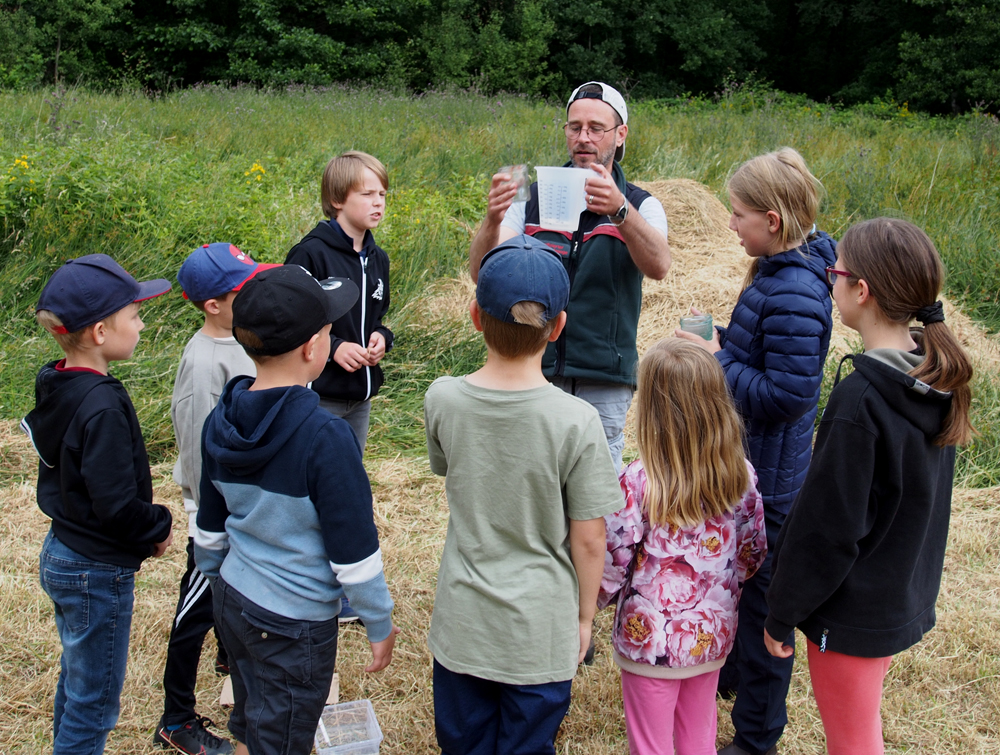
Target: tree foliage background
<point>940,55</point>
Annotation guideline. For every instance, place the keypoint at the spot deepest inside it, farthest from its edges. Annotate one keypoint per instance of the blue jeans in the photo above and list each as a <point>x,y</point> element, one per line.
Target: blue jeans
<point>93,604</point>
<point>474,716</point>
<point>611,400</point>
<point>357,414</point>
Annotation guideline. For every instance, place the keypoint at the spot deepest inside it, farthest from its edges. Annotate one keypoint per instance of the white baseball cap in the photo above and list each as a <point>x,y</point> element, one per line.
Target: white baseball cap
<point>611,96</point>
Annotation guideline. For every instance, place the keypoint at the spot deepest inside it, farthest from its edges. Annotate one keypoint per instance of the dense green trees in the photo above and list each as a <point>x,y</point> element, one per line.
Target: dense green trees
<point>938,54</point>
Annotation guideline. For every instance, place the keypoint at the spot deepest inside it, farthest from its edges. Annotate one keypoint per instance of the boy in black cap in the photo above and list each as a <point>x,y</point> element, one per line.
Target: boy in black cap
<point>94,482</point>
<point>283,534</point>
<point>529,480</point>
<point>210,278</point>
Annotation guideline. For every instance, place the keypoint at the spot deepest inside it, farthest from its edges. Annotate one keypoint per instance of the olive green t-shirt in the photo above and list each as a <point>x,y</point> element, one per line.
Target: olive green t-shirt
<point>519,466</point>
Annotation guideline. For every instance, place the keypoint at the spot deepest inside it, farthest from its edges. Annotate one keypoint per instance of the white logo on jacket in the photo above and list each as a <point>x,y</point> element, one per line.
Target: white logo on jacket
<point>377,293</point>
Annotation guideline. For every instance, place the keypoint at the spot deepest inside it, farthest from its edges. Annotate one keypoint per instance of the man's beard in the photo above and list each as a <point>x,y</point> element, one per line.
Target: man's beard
<point>604,158</point>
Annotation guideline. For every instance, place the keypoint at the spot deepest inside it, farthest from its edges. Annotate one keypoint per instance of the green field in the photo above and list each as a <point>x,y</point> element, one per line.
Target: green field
<point>146,180</point>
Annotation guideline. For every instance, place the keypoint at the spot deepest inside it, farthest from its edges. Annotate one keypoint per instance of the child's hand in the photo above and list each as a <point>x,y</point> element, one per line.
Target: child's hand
<point>710,346</point>
<point>586,631</point>
<point>382,652</point>
<point>161,548</point>
<point>352,356</point>
<point>777,649</point>
<point>376,348</point>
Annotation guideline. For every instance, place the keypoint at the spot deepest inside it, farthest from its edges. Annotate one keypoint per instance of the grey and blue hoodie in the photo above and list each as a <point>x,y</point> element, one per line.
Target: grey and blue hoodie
<point>285,516</point>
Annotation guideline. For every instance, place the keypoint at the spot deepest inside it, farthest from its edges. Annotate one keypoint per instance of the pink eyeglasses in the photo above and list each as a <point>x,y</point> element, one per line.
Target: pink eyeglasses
<point>832,273</point>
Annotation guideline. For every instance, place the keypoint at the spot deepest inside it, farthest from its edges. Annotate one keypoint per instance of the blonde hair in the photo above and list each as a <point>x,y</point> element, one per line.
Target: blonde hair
<point>781,182</point>
<point>72,341</point>
<point>903,271</point>
<point>51,322</point>
<point>689,435</point>
<point>347,172</point>
<point>526,336</point>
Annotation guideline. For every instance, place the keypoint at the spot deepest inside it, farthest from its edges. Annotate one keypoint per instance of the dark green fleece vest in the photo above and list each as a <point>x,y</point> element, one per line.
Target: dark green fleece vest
<point>605,294</point>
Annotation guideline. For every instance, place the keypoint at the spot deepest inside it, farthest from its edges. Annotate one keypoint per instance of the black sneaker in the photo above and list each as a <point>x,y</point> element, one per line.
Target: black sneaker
<point>192,738</point>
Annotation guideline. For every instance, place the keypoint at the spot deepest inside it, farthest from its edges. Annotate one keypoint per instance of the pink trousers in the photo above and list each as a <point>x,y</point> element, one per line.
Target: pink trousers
<point>848,693</point>
<point>663,714</point>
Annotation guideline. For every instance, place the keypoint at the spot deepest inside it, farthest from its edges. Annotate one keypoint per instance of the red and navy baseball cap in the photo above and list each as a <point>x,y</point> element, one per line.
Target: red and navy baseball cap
<point>87,289</point>
<point>216,269</point>
<point>522,269</point>
<point>285,306</point>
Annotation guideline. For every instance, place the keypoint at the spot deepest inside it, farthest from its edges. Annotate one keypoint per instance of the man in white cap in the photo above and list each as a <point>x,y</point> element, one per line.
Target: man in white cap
<point>621,238</point>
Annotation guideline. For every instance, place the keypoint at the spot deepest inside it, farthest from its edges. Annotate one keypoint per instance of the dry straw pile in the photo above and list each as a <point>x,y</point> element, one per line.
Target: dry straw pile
<point>943,696</point>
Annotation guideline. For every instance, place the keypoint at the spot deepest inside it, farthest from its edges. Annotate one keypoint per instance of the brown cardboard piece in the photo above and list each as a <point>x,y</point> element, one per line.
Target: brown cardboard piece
<point>226,698</point>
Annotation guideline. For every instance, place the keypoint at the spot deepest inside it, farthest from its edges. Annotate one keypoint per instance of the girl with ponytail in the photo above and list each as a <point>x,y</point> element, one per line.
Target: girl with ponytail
<point>858,564</point>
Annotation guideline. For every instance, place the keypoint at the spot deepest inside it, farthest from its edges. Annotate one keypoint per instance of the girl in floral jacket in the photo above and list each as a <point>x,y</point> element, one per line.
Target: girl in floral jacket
<point>678,553</point>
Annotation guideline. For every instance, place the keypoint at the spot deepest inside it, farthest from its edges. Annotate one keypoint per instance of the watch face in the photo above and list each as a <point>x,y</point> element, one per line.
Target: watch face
<point>622,212</point>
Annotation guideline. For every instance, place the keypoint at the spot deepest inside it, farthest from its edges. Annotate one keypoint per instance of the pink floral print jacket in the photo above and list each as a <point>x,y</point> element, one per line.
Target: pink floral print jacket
<point>676,589</point>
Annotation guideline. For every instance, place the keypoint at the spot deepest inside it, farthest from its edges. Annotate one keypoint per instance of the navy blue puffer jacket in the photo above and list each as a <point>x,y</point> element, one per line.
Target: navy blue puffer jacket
<point>773,353</point>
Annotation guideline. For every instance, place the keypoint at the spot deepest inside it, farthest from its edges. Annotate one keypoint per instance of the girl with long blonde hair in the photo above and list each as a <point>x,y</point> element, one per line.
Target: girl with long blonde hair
<point>690,534</point>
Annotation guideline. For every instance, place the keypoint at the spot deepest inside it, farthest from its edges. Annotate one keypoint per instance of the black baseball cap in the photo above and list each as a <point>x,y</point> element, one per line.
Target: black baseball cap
<point>87,289</point>
<point>285,306</point>
<point>522,269</point>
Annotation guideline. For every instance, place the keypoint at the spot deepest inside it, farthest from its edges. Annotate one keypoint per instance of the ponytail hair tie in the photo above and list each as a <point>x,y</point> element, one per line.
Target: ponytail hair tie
<point>931,313</point>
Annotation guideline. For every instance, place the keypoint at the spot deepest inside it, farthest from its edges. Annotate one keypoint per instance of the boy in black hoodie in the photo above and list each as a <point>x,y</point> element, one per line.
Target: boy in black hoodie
<point>353,195</point>
<point>94,482</point>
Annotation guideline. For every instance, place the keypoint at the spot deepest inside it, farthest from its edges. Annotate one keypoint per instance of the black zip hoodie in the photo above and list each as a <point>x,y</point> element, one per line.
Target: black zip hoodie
<point>858,563</point>
<point>93,475</point>
<point>327,252</point>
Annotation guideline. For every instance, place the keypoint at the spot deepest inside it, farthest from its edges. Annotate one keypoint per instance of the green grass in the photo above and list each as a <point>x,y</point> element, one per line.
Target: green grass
<point>147,180</point>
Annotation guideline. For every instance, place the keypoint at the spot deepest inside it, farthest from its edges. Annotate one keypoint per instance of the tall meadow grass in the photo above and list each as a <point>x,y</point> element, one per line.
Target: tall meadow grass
<point>148,179</point>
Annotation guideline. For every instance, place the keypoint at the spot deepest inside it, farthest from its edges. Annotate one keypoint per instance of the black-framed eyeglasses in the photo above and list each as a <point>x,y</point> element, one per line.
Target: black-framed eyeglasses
<point>832,273</point>
<point>594,132</point>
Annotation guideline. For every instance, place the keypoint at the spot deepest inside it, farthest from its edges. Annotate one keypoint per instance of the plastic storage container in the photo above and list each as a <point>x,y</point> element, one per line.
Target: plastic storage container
<point>348,729</point>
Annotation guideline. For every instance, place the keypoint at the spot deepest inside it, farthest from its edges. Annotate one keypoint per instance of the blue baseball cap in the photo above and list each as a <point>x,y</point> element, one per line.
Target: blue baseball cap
<point>87,289</point>
<point>216,269</point>
<point>522,269</point>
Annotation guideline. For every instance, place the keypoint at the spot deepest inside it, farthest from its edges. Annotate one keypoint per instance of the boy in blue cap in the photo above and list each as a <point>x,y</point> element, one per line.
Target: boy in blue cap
<point>529,478</point>
<point>210,278</point>
<point>94,483</point>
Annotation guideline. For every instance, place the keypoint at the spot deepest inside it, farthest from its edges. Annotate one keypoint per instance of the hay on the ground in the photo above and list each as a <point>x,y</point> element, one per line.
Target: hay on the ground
<point>942,696</point>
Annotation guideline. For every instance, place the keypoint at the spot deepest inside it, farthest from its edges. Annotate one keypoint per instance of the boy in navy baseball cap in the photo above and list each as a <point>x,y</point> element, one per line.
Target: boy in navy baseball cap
<point>210,278</point>
<point>94,483</point>
<point>528,473</point>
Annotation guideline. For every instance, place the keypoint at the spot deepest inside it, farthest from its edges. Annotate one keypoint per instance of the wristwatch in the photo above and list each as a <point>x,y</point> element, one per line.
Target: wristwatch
<point>621,214</point>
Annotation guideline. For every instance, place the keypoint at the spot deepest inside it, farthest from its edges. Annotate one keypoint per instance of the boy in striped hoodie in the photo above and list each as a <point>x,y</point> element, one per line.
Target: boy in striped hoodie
<point>283,535</point>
